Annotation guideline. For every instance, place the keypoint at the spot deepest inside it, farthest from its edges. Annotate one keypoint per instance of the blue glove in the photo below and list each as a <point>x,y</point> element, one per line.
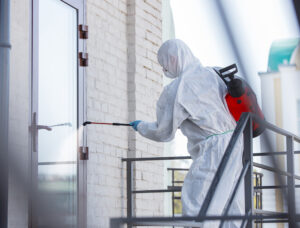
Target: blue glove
<point>134,124</point>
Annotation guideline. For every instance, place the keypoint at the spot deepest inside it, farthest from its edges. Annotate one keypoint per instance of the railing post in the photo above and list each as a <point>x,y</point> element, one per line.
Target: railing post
<point>129,172</point>
<point>247,157</point>
<point>173,196</point>
<point>291,181</point>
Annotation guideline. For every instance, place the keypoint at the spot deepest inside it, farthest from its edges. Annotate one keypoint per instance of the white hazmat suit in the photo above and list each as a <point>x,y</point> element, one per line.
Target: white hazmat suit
<point>194,102</point>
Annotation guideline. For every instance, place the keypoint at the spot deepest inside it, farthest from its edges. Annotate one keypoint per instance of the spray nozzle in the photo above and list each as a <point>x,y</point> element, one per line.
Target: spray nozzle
<point>86,122</point>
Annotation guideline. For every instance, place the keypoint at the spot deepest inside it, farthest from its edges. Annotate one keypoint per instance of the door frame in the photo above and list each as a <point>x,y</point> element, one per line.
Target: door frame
<point>79,5</point>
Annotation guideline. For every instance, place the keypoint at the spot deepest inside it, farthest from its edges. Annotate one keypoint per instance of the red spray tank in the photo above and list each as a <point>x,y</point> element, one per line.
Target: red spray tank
<point>240,97</point>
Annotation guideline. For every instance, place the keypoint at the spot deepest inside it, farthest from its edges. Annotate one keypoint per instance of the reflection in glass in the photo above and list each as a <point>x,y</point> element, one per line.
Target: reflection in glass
<point>57,195</point>
<point>57,104</point>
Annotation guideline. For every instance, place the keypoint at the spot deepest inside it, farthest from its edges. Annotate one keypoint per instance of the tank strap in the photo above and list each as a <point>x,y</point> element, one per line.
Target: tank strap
<point>223,133</point>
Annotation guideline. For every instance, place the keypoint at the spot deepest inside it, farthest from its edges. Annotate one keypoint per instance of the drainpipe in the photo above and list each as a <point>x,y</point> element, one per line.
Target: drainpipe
<point>4,99</point>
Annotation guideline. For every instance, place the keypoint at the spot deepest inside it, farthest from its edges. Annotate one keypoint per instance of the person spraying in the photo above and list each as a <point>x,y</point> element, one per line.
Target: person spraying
<point>195,102</point>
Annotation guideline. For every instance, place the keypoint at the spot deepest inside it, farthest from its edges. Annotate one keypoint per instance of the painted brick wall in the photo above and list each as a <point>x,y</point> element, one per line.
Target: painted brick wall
<point>145,83</point>
<point>124,81</point>
<point>106,102</point>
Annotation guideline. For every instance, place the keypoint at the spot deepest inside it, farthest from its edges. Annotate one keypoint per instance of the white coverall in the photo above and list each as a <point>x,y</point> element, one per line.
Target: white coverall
<point>194,102</point>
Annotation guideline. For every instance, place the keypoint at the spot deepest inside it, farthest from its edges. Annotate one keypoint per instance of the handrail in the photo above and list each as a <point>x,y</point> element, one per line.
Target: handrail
<point>189,157</point>
<point>178,169</point>
<point>274,186</point>
<point>273,153</point>
<point>155,191</point>
<point>269,168</point>
<point>155,158</point>
<point>178,189</point>
<point>274,127</point>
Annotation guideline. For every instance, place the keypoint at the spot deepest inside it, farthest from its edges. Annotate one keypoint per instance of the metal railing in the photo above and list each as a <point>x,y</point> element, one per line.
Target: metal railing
<point>176,185</point>
<point>177,182</point>
<point>244,126</point>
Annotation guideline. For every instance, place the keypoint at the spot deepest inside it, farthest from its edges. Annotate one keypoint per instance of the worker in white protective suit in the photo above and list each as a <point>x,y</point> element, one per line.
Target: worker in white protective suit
<point>194,102</point>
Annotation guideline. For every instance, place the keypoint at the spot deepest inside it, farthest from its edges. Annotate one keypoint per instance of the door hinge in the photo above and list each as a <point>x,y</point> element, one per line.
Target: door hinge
<point>84,153</point>
<point>83,59</point>
<point>83,31</point>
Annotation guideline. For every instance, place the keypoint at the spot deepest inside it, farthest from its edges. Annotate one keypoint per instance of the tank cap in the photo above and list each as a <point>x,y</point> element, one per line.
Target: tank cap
<point>236,87</point>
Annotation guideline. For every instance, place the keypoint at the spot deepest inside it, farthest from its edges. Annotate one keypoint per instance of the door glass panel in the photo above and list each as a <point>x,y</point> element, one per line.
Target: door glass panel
<point>57,81</point>
<point>57,108</point>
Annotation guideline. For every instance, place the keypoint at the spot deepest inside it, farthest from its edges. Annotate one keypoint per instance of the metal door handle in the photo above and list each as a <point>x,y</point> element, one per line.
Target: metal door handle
<point>40,127</point>
<point>34,131</point>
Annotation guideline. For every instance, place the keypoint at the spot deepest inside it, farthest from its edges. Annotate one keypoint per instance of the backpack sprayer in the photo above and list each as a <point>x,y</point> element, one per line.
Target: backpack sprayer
<point>240,97</point>
<point>115,124</point>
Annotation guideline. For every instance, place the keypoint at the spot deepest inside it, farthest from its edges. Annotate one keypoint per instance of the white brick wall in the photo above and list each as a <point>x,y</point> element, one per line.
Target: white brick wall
<point>107,101</point>
<point>146,85</point>
<point>124,81</point>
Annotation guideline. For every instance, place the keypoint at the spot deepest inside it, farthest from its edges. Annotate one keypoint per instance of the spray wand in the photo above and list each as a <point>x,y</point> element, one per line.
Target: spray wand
<point>115,124</point>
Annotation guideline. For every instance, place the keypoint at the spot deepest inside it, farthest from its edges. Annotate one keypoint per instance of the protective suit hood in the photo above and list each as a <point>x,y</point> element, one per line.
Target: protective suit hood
<point>175,57</point>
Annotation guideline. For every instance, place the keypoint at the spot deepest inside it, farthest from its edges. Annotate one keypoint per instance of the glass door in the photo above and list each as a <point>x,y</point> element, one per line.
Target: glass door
<point>55,114</point>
